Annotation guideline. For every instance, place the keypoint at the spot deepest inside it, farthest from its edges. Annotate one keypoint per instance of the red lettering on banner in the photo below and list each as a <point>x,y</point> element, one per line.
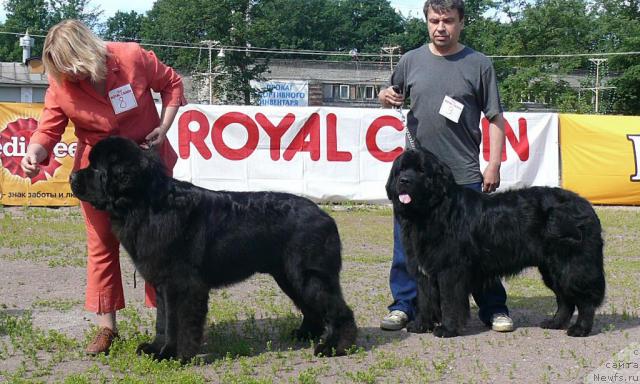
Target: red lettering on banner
<point>310,128</point>
<point>521,145</point>
<point>306,140</point>
<point>253,136</point>
<point>186,136</point>
<point>372,133</point>
<point>275,133</point>
<point>332,141</point>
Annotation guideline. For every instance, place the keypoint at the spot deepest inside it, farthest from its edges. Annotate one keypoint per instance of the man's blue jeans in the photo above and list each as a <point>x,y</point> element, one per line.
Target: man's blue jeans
<point>404,291</point>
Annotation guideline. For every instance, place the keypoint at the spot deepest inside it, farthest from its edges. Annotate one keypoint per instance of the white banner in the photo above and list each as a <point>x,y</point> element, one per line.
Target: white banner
<point>531,153</point>
<point>328,154</point>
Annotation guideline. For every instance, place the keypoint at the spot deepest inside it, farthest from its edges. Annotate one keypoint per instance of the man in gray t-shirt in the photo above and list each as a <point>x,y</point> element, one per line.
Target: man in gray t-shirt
<point>450,85</point>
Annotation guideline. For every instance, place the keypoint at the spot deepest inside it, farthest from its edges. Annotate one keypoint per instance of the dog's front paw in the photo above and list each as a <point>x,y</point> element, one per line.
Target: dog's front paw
<point>418,327</point>
<point>441,331</point>
<point>326,350</point>
<point>148,349</point>
<point>157,352</point>
<point>167,352</point>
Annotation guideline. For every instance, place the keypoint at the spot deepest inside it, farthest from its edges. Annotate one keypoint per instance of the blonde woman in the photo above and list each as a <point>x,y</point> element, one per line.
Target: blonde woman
<point>104,88</point>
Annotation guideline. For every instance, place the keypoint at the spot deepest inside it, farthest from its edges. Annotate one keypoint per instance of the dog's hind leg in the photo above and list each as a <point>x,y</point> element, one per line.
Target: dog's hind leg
<point>312,325</point>
<point>323,293</point>
<point>561,318</point>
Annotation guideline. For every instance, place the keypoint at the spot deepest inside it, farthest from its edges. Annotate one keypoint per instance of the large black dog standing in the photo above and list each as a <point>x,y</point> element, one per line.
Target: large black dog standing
<point>456,239</point>
<point>186,240</point>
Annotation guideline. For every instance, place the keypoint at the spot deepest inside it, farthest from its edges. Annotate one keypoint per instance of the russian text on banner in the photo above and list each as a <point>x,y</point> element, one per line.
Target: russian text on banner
<point>51,186</point>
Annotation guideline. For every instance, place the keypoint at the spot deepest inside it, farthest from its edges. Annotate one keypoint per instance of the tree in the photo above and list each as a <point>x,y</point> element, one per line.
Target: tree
<point>124,27</point>
<point>38,16</point>
<point>617,29</point>
<point>217,24</point>
<point>74,9</point>
<point>330,25</point>
<point>22,15</point>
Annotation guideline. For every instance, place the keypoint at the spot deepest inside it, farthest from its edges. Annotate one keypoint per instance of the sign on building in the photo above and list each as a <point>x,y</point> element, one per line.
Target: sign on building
<point>292,93</point>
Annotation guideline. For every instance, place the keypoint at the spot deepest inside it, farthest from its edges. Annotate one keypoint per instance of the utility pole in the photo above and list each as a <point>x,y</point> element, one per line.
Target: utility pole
<point>210,44</point>
<point>390,50</point>
<point>596,88</point>
<point>211,75</point>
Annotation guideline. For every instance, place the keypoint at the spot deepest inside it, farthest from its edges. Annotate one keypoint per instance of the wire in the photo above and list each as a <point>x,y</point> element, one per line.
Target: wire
<point>294,51</point>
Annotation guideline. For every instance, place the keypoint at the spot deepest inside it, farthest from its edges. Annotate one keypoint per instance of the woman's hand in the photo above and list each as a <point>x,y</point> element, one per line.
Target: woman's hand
<point>34,156</point>
<point>154,138</point>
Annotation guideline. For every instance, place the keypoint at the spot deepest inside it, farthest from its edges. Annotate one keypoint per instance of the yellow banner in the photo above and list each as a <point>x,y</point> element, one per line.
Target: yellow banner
<point>600,157</point>
<point>51,186</point>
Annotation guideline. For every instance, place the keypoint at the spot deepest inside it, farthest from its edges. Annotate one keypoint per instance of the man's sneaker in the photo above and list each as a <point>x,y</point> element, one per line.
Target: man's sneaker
<point>501,322</point>
<point>394,321</point>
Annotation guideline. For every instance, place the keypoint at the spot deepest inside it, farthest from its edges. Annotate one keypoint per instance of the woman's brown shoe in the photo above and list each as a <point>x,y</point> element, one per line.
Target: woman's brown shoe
<point>102,342</point>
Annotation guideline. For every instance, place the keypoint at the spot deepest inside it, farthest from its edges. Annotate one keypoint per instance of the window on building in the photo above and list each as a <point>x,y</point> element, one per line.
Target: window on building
<point>327,91</point>
<point>368,92</point>
<point>344,91</point>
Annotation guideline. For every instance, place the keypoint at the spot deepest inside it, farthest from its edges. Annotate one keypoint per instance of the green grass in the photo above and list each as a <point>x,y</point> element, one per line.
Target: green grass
<point>248,333</point>
<point>54,236</point>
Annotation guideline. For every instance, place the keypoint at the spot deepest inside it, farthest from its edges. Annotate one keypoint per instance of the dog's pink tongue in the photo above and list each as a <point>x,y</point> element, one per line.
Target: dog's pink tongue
<point>404,199</point>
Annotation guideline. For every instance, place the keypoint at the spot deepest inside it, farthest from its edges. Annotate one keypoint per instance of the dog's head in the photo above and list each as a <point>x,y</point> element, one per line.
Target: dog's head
<point>418,181</point>
<point>120,175</point>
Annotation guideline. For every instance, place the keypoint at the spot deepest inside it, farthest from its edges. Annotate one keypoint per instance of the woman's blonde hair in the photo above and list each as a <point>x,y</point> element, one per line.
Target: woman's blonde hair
<point>70,48</point>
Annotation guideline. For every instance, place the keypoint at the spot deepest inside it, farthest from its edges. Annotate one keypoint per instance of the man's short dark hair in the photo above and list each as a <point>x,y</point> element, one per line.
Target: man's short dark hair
<point>444,5</point>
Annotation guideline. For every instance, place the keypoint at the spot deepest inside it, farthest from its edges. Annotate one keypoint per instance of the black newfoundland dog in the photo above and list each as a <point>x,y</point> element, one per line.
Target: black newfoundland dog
<point>186,240</point>
<point>457,239</point>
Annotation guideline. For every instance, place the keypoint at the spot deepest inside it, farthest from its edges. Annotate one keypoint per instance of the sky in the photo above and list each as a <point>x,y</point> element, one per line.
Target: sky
<point>110,7</point>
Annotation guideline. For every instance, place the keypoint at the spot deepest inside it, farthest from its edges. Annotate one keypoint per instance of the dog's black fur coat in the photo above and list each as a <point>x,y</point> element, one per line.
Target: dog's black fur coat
<point>457,239</point>
<point>186,240</point>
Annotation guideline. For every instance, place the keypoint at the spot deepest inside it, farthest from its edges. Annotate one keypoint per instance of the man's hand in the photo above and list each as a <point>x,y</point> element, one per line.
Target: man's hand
<point>388,98</point>
<point>491,178</point>
<point>154,138</point>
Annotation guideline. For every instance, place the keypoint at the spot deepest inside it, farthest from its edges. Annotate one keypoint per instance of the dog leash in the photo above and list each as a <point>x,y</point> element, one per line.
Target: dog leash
<point>412,142</point>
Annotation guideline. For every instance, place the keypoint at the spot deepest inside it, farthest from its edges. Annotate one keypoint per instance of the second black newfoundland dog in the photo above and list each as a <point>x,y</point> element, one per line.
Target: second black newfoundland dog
<point>186,240</point>
<point>456,239</point>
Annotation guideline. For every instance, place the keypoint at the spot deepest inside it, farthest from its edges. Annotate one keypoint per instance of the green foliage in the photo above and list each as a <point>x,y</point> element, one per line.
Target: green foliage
<point>38,16</point>
<point>22,15</point>
<point>494,27</point>
<point>123,27</point>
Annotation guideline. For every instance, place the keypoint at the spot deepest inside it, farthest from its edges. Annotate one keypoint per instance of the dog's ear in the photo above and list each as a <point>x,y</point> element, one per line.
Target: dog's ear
<point>436,168</point>
<point>122,204</point>
<point>156,177</point>
<point>437,175</point>
<point>390,186</point>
